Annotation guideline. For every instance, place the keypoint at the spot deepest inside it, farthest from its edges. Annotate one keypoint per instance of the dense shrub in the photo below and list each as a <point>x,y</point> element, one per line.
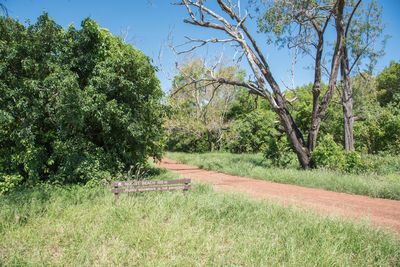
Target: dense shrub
<point>75,105</point>
<point>329,155</point>
<point>380,132</point>
<point>251,131</point>
<point>388,85</point>
<point>279,152</point>
<point>187,142</point>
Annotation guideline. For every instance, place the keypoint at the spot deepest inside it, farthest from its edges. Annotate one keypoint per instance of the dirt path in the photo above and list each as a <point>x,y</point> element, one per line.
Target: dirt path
<point>381,212</point>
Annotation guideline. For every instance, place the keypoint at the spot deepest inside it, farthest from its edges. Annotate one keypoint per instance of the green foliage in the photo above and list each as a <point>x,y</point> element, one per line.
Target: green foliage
<point>252,127</point>
<point>186,141</point>
<point>198,119</point>
<point>354,163</point>
<point>379,129</point>
<point>279,152</point>
<point>388,85</point>
<point>329,155</point>
<point>251,132</point>
<point>380,132</point>
<point>75,105</point>
<point>385,164</point>
<point>301,110</point>
<point>9,181</point>
<point>364,91</point>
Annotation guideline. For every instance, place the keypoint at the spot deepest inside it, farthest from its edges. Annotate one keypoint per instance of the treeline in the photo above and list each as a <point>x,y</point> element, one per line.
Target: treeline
<point>76,106</point>
<point>205,117</point>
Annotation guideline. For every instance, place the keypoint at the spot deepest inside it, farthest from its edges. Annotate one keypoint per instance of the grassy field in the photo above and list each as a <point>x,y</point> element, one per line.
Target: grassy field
<point>253,165</point>
<point>78,226</point>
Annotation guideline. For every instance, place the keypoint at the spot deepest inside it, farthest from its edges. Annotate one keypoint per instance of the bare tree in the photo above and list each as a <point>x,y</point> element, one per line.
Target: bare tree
<point>233,24</point>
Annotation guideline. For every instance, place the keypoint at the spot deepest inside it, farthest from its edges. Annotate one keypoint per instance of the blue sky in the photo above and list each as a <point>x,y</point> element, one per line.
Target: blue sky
<point>150,25</point>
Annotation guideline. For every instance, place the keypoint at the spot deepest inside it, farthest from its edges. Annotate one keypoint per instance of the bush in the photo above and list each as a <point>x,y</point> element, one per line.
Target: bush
<point>329,155</point>
<point>180,141</point>
<point>279,152</point>
<point>251,131</point>
<point>354,163</point>
<point>9,181</point>
<point>380,132</point>
<point>75,105</point>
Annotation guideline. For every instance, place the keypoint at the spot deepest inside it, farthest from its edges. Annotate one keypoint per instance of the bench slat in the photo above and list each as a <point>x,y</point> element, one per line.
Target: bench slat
<point>149,188</point>
<point>150,182</point>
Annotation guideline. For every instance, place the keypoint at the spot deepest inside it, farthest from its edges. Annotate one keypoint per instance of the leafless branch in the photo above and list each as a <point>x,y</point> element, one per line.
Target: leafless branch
<point>357,118</point>
<point>201,43</point>
<point>290,89</point>
<point>255,58</point>
<point>221,81</point>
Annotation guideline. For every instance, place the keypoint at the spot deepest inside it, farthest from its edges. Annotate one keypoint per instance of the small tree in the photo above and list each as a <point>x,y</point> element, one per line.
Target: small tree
<point>363,28</point>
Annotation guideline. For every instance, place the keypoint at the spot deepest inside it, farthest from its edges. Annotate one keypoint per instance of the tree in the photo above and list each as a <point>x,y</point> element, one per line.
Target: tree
<point>75,105</point>
<point>264,83</point>
<point>302,25</point>
<point>361,33</point>
<point>199,107</point>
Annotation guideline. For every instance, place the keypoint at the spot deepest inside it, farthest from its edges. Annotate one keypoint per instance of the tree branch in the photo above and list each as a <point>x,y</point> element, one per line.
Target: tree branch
<point>350,18</point>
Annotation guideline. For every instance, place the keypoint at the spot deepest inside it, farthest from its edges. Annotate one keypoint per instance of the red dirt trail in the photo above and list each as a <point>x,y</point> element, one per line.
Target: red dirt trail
<point>380,212</point>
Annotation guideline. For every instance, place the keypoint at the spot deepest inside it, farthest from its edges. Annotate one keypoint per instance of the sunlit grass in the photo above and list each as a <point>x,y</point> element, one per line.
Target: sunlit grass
<point>253,165</point>
<point>82,226</point>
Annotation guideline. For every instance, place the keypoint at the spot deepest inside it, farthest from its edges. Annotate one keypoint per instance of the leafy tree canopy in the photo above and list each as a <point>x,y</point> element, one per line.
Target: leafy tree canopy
<point>388,84</point>
<point>75,105</point>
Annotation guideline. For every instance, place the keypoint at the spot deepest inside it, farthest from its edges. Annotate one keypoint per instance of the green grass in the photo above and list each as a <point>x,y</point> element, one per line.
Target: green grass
<point>78,226</point>
<point>253,165</point>
<point>385,164</point>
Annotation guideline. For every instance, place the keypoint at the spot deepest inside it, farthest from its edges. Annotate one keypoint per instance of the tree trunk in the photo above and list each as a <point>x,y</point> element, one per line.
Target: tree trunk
<point>347,102</point>
<point>295,137</point>
<point>313,133</point>
<point>210,142</point>
<point>348,125</point>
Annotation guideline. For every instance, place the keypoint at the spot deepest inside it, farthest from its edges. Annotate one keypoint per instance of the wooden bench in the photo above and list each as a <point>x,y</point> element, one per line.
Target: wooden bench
<point>149,185</point>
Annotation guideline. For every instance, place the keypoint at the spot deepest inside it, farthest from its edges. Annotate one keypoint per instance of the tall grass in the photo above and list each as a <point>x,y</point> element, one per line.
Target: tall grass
<point>253,165</point>
<point>82,226</point>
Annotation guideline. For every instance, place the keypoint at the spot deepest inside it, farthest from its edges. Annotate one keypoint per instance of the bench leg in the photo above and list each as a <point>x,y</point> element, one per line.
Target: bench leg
<point>116,195</point>
<point>186,189</point>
